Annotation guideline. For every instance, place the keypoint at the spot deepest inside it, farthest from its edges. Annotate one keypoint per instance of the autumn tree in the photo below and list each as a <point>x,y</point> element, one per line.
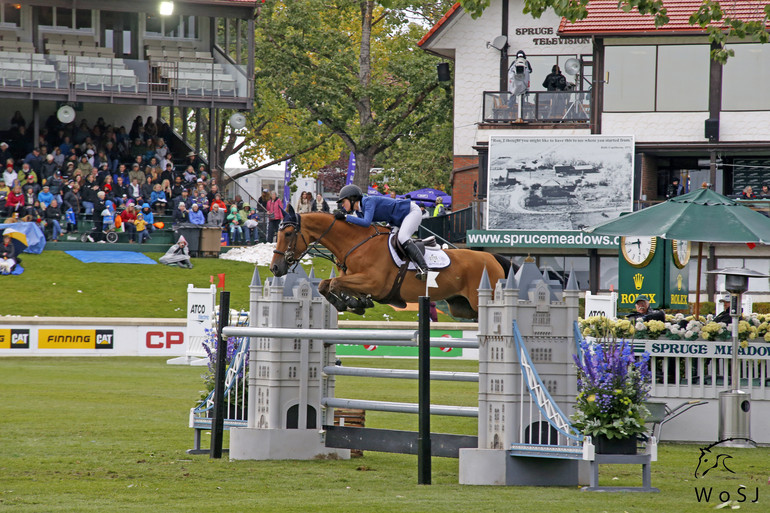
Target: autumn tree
<point>354,66</point>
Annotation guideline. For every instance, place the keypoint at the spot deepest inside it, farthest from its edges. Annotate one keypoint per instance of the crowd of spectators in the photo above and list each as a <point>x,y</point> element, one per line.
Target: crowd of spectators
<point>97,170</point>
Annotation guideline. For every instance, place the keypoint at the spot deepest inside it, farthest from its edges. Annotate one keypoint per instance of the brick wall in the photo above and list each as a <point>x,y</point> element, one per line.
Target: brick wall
<point>465,173</point>
<point>649,177</point>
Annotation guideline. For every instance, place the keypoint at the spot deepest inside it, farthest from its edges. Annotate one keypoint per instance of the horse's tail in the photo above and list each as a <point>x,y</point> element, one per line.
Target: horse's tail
<point>504,262</point>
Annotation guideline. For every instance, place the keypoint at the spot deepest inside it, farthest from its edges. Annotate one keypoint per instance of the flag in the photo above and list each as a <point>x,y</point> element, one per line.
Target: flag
<point>286,180</point>
<point>221,284</point>
<point>211,279</point>
<point>351,168</point>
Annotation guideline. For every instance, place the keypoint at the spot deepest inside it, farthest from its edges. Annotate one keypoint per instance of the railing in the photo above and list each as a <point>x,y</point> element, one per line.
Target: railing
<point>546,106</point>
<point>96,75</point>
<point>450,228</point>
<point>544,430</point>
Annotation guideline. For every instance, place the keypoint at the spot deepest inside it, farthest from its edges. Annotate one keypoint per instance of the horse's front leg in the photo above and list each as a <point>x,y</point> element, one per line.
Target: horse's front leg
<point>338,302</point>
<point>357,288</point>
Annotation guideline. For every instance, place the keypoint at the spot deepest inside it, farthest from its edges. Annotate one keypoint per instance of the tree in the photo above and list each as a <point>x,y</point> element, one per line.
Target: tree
<point>353,65</point>
<point>709,16</point>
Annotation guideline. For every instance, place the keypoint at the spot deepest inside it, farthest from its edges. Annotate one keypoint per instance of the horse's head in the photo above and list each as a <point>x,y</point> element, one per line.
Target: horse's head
<point>290,245</point>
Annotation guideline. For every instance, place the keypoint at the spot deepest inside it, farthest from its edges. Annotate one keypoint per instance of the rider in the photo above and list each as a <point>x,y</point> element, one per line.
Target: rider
<point>397,212</point>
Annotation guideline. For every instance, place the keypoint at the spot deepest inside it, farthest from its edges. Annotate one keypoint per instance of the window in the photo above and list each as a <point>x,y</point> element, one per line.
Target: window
<point>11,14</point>
<point>45,16</point>
<point>631,87</point>
<point>745,78</point>
<point>63,17</point>
<point>683,78</point>
<point>83,19</point>
<point>177,27</point>
<point>153,24</point>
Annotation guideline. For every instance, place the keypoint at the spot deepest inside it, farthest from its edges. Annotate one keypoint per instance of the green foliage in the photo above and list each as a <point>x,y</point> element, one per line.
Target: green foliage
<point>354,67</point>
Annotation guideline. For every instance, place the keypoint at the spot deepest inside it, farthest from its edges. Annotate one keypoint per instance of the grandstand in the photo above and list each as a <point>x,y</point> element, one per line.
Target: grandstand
<point>117,61</point>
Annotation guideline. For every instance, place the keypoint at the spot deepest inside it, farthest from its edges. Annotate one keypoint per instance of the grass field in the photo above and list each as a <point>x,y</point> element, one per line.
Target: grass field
<point>56,284</point>
<point>110,434</point>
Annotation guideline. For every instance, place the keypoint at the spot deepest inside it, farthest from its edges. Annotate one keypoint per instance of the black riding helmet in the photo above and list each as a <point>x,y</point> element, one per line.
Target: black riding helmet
<point>351,192</point>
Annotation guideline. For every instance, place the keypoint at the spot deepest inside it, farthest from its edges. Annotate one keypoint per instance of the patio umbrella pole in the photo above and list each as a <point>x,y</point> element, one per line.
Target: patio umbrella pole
<point>697,282</point>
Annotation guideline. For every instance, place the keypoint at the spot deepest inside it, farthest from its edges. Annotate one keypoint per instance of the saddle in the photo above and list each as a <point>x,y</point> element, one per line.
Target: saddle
<point>422,244</point>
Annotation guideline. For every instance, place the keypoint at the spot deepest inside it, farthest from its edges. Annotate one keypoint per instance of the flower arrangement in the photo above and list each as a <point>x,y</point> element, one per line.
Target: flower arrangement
<point>677,327</point>
<point>210,345</point>
<point>612,388</point>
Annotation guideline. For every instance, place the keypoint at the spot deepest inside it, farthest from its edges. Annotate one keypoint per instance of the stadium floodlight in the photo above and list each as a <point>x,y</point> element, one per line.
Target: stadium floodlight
<point>166,8</point>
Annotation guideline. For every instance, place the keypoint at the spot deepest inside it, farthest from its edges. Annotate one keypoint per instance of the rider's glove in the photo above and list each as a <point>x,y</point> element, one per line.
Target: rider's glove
<point>339,214</point>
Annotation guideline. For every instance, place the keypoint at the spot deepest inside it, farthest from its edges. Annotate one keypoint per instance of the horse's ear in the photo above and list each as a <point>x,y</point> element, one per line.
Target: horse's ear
<point>285,213</point>
<point>290,209</point>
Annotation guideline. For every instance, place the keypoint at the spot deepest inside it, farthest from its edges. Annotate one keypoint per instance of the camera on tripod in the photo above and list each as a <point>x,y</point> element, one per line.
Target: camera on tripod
<point>520,65</point>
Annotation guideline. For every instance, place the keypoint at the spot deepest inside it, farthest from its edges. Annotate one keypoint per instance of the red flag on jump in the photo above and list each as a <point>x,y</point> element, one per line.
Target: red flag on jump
<point>221,284</point>
<point>211,279</point>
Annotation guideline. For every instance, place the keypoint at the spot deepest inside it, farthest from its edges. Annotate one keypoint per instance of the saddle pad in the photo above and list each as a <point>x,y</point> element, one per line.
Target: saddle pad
<point>435,257</point>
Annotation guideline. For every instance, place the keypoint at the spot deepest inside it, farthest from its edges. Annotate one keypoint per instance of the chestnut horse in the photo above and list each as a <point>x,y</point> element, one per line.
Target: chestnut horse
<point>367,270</point>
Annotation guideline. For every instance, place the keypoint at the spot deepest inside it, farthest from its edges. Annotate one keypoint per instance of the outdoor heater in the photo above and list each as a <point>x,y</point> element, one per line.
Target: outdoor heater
<point>735,404</point>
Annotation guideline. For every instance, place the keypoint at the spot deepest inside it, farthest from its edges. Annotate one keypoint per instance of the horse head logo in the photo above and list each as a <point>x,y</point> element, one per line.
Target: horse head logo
<point>708,460</point>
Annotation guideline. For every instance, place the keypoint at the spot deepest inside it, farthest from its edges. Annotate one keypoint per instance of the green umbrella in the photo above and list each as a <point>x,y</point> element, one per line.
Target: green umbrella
<point>699,216</point>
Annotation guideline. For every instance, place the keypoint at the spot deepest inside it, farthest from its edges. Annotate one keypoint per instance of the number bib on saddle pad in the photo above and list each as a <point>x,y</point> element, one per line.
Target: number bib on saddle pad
<point>435,257</point>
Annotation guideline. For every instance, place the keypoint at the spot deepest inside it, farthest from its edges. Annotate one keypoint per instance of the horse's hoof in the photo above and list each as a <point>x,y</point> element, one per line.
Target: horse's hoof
<point>337,302</point>
<point>357,311</point>
<point>368,303</point>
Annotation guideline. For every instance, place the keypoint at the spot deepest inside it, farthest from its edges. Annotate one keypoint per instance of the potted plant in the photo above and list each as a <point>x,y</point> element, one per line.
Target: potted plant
<point>612,388</point>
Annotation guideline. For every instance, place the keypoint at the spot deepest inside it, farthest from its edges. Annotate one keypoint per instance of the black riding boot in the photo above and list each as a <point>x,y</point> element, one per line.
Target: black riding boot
<point>413,252</point>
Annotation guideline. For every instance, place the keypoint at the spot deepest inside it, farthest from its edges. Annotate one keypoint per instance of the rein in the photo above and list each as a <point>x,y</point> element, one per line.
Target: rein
<point>293,261</point>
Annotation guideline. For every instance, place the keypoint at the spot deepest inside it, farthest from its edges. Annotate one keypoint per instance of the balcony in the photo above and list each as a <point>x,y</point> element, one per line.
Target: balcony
<point>538,107</point>
<point>104,79</point>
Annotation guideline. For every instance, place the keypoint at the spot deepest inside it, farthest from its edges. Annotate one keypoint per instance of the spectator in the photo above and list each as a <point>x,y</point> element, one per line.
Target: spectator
<point>14,202</point>
<point>140,226</point>
<point>84,167</point>
<point>128,216</point>
<point>45,197</point>
<point>234,221</point>
<point>218,202</point>
<point>249,224</point>
<point>17,120</point>
<point>177,255</point>
<point>149,218</point>
<point>201,200</point>
<point>189,176</point>
<point>120,191</point>
<point>48,168</point>
<point>305,203</point>
<point>10,176</point>
<point>158,199</point>
<point>4,191</point>
<point>555,81</point>
<point>195,216</point>
<point>147,188</point>
<point>26,173</point>
<point>184,197</point>
<point>275,215</point>
<point>122,172</point>
<point>52,216</point>
<point>136,173</point>
<point>31,184</point>
<point>216,216</point>
<point>193,160</point>
<point>72,201</point>
<point>424,211</point>
<point>134,190</point>
<point>439,209</point>
<point>674,188</point>
<point>4,153</point>
<point>748,193</point>
<point>319,204</point>
<point>8,254</point>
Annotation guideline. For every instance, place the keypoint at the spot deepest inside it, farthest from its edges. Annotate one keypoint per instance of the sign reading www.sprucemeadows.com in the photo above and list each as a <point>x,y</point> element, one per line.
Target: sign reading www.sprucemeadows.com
<point>704,349</point>
<point>539,239</point>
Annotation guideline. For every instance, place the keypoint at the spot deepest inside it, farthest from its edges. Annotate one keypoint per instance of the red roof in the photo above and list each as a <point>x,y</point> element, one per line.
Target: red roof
<point>438,25</point>
<point>605,18</point>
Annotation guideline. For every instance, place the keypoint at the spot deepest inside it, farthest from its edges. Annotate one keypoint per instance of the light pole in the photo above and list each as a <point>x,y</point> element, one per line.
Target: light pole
<point>735,404</point>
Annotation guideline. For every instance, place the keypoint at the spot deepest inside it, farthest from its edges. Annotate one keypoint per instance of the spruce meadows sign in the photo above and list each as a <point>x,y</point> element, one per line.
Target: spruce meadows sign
<point>703,349</point>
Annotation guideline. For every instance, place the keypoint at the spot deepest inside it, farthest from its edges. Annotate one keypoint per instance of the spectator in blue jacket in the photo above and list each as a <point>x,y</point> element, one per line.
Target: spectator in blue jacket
<point>196,216</point>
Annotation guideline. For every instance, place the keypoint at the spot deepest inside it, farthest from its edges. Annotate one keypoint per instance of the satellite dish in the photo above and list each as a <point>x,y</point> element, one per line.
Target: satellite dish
<point>237,121</point>
<point>65,114</point>
<point>498,43</point>
<point>572,66</point>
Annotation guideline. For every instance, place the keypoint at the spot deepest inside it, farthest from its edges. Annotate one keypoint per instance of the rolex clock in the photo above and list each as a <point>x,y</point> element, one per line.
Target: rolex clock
<point>681,252</point>
<point>638,251</point>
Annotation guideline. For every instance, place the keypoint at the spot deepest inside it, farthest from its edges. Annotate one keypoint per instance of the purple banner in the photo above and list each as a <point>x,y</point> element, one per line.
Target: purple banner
<point>351,168</point>
<point>286,180</point>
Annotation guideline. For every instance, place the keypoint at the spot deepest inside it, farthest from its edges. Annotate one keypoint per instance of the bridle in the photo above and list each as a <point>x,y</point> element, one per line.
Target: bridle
<point>290,254</point>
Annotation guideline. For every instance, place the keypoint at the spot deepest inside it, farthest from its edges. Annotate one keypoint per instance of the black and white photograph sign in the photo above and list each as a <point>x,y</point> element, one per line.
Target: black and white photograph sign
<point>558,183</point>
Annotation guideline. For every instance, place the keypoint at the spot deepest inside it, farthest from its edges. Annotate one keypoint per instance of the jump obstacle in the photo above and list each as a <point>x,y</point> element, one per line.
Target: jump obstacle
<point>523,435</point>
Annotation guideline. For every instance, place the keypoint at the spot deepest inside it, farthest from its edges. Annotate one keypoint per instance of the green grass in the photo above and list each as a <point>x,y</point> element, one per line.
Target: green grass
<point>110,434</point>
<point>56,284</point>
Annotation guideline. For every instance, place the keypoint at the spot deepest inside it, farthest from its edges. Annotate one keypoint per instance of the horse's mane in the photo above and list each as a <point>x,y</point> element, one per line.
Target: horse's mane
<point>292,217</point>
